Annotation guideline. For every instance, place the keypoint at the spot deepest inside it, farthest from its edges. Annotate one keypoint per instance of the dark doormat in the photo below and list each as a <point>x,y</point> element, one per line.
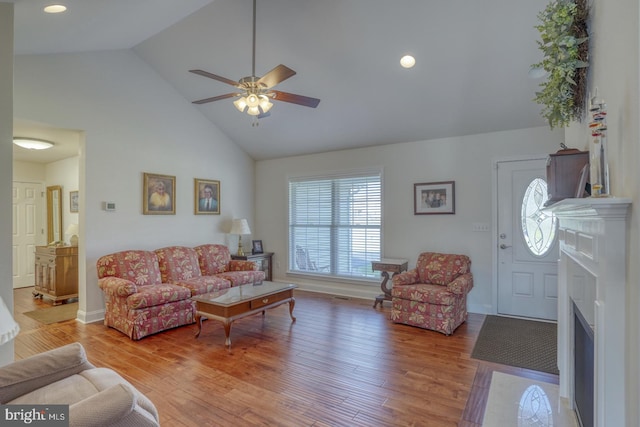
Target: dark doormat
<point>522,343</point>
<point>56,314</point>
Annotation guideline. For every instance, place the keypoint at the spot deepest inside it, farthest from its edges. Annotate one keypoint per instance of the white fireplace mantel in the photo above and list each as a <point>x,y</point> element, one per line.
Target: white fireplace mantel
<point>592,271</point>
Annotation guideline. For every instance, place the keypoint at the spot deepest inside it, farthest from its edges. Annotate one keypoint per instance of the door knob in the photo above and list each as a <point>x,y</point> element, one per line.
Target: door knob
<point>503,246</point>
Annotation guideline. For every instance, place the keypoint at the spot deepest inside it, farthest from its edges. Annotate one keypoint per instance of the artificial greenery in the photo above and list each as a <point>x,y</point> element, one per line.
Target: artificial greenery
<point>563,30</point>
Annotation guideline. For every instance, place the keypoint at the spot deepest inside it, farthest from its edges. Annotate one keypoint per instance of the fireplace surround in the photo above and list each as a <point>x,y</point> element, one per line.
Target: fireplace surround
<point>592,282</point>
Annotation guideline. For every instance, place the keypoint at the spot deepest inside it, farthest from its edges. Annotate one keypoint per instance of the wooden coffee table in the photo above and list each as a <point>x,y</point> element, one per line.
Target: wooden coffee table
<point>237,302</point>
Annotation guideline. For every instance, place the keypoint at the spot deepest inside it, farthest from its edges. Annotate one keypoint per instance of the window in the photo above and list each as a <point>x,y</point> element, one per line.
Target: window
<point>538,228</point>
<point>335,224</point>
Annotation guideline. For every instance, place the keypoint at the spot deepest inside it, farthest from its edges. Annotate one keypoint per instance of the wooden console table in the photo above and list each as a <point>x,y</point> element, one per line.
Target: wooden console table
<point>387,266</point>
<point>56,272</point>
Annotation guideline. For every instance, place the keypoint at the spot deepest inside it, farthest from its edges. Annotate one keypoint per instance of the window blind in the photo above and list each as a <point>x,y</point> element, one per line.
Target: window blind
<point>335,224</point>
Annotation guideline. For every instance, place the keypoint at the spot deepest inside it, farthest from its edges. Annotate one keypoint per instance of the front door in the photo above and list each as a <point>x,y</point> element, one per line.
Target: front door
<point>28,230</point>
<point>527,243</point>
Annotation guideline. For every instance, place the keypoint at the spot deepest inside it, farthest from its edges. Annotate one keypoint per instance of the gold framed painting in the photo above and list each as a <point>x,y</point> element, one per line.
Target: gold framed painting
<point>158,194</point>
<point>73,201</point>
<point>206,199</point>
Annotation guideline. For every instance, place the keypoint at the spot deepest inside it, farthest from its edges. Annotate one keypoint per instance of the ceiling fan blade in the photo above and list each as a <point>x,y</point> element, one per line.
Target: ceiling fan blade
<point>277,75</point>
<point>216,98</point>
<point>215,77</point>
<point>295,99</point>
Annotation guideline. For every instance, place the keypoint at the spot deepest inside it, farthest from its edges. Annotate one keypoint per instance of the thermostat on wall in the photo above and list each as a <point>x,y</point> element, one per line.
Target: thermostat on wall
<point>109,206</point>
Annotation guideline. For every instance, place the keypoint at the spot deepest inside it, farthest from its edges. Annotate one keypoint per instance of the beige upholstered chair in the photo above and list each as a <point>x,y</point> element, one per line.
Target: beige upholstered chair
<point>97,397</point>
<point>434,294</point>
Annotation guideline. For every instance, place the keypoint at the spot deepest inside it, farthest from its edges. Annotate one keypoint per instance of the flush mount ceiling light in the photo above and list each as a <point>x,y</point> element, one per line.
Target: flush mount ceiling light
<point>55,8</point>
<point>32,143</point>
<point>407,61</point>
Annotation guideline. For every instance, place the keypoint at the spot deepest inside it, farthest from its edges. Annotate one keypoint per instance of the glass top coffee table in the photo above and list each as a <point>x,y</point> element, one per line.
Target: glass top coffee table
<point>237,302</point>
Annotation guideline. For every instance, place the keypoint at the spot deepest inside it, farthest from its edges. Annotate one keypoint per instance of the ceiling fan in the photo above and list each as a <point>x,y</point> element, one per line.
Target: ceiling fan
<point>255,93</point>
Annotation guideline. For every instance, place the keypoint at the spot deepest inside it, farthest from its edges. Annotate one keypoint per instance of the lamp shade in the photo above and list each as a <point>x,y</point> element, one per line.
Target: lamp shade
<point>240,226</point>
<point>8,327</point>
<point>72,229</point>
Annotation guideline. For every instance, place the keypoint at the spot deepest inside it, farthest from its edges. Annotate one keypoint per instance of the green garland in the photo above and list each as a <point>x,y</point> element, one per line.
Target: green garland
<point>563,30</point>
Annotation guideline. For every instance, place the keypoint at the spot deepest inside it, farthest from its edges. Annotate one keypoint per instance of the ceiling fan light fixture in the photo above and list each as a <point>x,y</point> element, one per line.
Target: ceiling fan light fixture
<point>240,104</point>
<point>265,104</point>
<point>32,143</point>
<point>253,100</point>
<point>253,111</point>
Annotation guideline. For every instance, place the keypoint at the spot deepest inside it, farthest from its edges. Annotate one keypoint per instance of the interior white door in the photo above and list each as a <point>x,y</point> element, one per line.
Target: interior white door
<point>28,230</point>
<point>527,242</point>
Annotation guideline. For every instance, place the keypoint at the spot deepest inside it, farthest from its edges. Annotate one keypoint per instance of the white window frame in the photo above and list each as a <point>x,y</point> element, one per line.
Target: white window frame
<point>331,264</point>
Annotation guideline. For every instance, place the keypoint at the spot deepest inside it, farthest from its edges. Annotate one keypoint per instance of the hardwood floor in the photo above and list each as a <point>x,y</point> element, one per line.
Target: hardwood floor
<point>342,363</point>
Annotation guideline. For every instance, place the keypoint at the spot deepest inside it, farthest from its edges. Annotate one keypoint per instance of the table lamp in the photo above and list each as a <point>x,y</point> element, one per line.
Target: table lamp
<point>73,231</point>
<point>8,327</point>
<point>240,227</point>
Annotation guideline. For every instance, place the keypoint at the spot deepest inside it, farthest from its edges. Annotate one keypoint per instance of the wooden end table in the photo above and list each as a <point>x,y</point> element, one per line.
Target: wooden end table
<point>386,266</point>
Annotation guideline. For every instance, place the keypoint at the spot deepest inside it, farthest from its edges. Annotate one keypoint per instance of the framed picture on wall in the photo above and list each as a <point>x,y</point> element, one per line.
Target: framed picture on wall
<point>206,197</point>
<point>434,198</point>
<point>158,194</point>
<point>73,201</point>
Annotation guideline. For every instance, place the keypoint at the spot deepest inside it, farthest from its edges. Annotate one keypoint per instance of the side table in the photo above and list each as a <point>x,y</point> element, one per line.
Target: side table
<point>387,266</point>
<point>264,261</point>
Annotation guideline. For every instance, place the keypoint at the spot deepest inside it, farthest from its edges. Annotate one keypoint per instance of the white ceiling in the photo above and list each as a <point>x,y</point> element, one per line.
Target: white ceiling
<point>470,76</point>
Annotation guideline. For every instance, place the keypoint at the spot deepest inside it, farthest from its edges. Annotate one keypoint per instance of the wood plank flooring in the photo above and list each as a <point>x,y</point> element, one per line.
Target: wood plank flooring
<point>342,363</point>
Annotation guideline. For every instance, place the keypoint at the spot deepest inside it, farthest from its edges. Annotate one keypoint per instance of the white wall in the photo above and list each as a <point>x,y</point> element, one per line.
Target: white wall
<point>465,160</point>
<point>133,122</point>
<point>614,69</point>
<point>6,156</point>
<point>29,172</point>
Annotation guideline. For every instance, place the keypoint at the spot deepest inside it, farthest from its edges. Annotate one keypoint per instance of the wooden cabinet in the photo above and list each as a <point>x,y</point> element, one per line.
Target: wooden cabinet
<point>564,174</point>
<point>264,261</point>
<point>56,272</point>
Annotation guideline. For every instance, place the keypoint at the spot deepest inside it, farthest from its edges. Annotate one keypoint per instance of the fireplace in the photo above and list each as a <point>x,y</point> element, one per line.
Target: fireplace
<point>592,314</point>
<point>583,368</point>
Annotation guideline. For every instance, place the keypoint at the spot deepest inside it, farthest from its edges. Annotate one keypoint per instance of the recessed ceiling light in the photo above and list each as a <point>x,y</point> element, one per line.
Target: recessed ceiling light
<point>32,143</point>
<point>407,61</point>
<point>55,8</point>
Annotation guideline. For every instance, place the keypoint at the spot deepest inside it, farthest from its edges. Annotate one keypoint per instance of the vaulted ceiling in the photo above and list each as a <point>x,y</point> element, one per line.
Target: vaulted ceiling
<point>470,77</point>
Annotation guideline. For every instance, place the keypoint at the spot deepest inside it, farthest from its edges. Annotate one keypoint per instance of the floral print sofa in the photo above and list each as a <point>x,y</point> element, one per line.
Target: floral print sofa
<point>150,291</point>
<point>434,294</point>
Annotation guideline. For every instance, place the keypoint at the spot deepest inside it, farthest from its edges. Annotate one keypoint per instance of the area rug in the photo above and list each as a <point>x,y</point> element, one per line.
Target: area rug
<point>517,342</point>
<point>56,314</point>
<point>517,401</point>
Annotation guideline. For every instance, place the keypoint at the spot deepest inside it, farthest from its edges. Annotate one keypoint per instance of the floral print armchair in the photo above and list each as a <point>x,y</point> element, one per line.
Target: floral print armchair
<point>137,302</point>
<point>434,294</point>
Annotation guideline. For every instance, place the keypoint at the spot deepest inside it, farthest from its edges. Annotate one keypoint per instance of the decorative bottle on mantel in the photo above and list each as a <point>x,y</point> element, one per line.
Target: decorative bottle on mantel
<point>599,169</point>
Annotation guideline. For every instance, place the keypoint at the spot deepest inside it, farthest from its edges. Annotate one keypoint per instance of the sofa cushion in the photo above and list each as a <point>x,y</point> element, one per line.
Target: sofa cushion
<point>78,387</point>
<point>152,295</point>
<point>238,278</point>
<point>441,269</point>
<point>178,263</point>
<point>140,267</point>
<point>424,293</point>
<point>213,259</point>
<point>205,284</point>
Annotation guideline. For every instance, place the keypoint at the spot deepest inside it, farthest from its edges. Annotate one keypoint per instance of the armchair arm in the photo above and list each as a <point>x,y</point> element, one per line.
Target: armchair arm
<point>109,407</point>
<point>26,375</point>
<point>116,286</point>
<point>461,285</point>
<point>406,278</point>
<point>242,265</point>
